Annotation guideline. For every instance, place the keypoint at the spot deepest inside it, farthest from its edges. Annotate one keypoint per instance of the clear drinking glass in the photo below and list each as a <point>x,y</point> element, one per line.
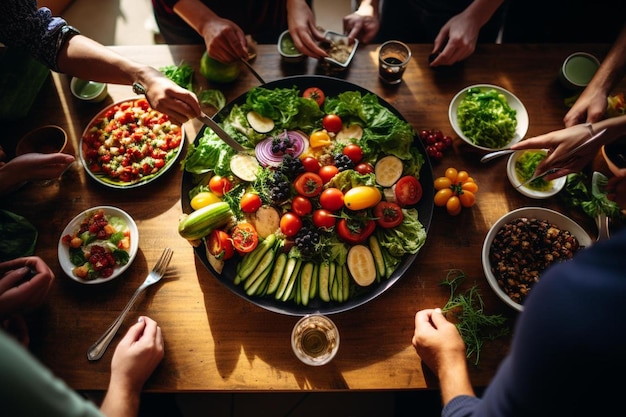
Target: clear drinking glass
<point>393,57</point>
<point>315,339</point>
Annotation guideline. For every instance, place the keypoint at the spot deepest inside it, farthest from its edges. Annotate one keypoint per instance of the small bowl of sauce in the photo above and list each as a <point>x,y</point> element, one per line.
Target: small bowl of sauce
<point>91,91</point>
<point>522,166</point>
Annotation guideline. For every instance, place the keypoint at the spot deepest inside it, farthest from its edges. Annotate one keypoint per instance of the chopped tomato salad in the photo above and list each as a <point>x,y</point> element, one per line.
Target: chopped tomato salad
<point>130,141</point>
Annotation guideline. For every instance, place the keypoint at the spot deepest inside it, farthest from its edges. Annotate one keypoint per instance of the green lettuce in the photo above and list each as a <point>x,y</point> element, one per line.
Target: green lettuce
<point>407,238</point>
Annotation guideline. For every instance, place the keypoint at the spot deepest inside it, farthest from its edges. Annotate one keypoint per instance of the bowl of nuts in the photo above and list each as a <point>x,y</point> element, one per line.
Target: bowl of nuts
<point>522,244</point>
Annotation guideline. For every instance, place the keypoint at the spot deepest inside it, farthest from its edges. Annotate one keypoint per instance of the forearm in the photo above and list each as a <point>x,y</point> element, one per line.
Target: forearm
<point>482,10</point>
<point>85,58</point>
<point>615,126</point>
<point>120,403</point>
<point>195,13</point>
<point>613,66</point>
<point>454,381</point>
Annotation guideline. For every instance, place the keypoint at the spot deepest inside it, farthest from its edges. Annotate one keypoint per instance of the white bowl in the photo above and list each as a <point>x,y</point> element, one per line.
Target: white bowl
<point>556,185</point>
<point>288,50</point>
<point>339,39</point>
<point>556,218</point>
<point>514,102</point>
<point>74,225</point>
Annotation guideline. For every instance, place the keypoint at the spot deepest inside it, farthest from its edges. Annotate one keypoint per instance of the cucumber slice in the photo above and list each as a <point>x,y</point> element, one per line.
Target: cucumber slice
<point>388,170</point>
<point>244,166</point>
<point>306,276</point>
<point>259,123</point>
<point>361,265</point>
<point>324,281</point>
<point>379,260</point>
<point>277,273</point>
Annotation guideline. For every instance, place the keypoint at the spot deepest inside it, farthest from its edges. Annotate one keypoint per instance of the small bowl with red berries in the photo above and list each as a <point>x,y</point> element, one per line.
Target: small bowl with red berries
<point>98,245</point>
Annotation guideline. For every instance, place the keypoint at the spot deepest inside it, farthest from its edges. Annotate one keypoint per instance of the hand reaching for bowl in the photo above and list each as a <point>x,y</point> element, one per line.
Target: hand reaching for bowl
<point>32,167</point>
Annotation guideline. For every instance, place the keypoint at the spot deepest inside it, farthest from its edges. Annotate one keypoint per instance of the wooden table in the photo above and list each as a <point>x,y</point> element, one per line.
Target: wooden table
<point>217,341</point>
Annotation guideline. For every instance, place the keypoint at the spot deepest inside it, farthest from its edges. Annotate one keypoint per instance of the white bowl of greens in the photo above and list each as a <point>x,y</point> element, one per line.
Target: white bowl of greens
<point>488,117</point>
<point>98,245</point>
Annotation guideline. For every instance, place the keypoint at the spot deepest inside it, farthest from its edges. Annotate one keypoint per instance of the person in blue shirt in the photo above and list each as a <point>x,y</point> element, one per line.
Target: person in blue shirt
<point>567,356</point>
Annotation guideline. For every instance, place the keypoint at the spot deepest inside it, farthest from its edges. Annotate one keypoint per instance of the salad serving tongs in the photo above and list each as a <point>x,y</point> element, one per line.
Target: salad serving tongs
<point>564,158</point>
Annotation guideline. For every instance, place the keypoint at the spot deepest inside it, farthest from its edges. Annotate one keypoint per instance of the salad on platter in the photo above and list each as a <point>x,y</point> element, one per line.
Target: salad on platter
<point>323,212</point>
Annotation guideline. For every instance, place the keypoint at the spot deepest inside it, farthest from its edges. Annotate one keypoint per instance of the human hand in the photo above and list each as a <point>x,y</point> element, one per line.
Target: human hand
<point>437,341</point>
<point>559,143</point>
<point>24,284</point>
<point>304,32</point>
<point>589,107</point>
<point>32,167</point>
<point>224,40</point>
<point>360,26</point>
<point>136,356</point>
<point>456,40</point>
<point>167,97</point>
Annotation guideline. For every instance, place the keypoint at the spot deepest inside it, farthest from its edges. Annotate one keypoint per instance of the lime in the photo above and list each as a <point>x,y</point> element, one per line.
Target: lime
<point>215,71</point>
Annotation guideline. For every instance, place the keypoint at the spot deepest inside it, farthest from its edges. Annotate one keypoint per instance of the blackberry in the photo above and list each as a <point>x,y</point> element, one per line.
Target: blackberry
<point>307,240</point>
<point>281,144</point>
<point>291,166</point>
<point>279,187</point>
<point>343,162</point>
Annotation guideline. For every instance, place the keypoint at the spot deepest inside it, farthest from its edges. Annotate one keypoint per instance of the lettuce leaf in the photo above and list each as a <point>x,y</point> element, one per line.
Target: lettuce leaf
<point>19,236</point>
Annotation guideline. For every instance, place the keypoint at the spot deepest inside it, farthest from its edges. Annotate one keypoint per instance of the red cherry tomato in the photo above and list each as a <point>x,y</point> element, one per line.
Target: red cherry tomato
<point>327,172</point>
<point>332,123</point>
<point>388,214</point>
<point>301,205</point>
<point>408,190</point>
<point>219,245</point>
<point>250,202</point>
<point>364,168</point>
<point>290,224</point>
<point>311,164</point>
<point>331,199</point>
<point>220,185</point>
<point>315,94</point>
<point>308,184</point>
<point>324,218</point>
<point>354,152</point>
<point>355,231</point>
<point>244,237</point>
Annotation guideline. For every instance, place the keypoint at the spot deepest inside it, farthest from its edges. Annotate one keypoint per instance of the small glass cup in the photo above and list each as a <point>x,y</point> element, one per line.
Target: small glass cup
<point>393,57</point>
<point>315,339</point>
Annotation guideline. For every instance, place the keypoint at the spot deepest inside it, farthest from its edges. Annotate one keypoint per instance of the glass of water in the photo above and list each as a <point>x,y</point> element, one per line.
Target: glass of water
<point>315,339</point>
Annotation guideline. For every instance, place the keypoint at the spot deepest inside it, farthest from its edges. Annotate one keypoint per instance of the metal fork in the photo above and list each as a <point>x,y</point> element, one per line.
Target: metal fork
<point>96,351</point>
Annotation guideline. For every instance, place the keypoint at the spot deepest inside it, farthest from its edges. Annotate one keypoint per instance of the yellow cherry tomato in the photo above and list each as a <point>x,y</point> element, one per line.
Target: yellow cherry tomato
<point>361,197</point>
<point>442,182</point>
<point>467,198</point>
<point>453,205</point>
<point>203,198</point>
<point>469,186</point>
<point>319,139</point>
<point>461,176</point>
<point>451,173</point>
<point>442,196</point>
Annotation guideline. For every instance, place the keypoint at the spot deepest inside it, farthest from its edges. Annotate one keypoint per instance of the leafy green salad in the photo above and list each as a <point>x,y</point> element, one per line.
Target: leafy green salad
<point>486,118</point>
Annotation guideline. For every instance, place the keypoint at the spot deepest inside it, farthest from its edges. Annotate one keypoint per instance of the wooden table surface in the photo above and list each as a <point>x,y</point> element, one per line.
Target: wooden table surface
<point>217,341</point>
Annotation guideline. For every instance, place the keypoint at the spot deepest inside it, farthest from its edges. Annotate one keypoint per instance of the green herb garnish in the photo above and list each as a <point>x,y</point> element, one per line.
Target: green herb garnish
<point>525,167</point>
<point>466,309</point>
<point>181,74</point>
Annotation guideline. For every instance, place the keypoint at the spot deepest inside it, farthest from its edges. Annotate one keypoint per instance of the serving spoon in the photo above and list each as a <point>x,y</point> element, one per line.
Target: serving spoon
<point>493,155</point>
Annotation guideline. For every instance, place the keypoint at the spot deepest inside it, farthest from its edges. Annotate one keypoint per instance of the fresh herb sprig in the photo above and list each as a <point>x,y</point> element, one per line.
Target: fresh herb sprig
<point>467,310</point>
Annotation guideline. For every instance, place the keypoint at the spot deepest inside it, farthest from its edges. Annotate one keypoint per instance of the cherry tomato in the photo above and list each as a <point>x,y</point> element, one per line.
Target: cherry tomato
<point>332,123</point>
<point>319,139</point>
<point>331,199</point>
<point>290,224</point>
<point>203,198</point>
<point>324,218</point>
<point>244,237</point>
<point>315,94</point>
<point>327,172</point>
<point>308,184</point>
<point>311,164</point>
<point>250,202</point>
<point>388,214</point>
<point>442,182</point>
<point>220,185</point>
<point>301,205</point>
<point>451,174</point>
<point>361,197</point>
<point>355,231</point>
<point>354,152</point>
<point>461,176</point>
<point>219,245</point>
<point>364,168</point>
<point>453,205</point>
<point>467,198</point>
<point>470,186</point>
<point>408,190</point>
<point>442,196</point>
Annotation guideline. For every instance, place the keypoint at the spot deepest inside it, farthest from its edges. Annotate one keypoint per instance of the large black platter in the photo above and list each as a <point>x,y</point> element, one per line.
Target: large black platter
<point>331,87</point>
